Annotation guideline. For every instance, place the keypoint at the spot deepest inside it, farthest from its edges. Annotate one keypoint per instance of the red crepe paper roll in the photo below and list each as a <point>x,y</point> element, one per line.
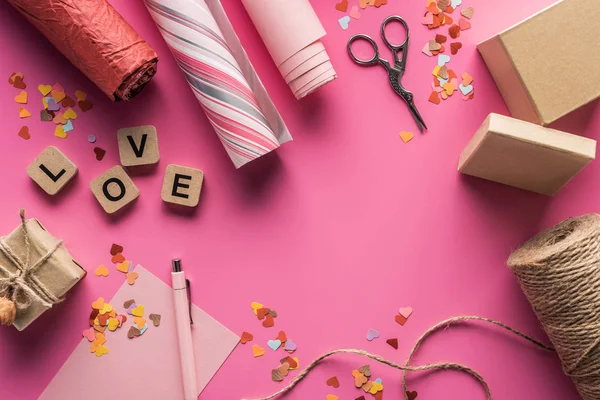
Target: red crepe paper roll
<point>97,40</point>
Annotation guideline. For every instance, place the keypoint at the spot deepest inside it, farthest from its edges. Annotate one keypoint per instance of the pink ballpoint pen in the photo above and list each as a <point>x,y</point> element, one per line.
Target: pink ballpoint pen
<point>183,319</point>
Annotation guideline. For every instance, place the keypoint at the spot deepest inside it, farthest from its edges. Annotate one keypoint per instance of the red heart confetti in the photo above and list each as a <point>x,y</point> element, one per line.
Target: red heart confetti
<point>24,133</point>
<point>99,153</point>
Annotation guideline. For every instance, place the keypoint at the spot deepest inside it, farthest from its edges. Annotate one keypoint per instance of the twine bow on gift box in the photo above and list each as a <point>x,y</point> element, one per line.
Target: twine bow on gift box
<point>19,289</point>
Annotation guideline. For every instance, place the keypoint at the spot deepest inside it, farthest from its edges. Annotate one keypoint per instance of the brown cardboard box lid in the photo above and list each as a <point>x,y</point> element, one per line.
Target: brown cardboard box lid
<point>525,155</point>
<point>556,53</point>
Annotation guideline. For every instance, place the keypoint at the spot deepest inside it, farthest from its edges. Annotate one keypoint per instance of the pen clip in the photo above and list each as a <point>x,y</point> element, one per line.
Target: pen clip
<point>189,295</point>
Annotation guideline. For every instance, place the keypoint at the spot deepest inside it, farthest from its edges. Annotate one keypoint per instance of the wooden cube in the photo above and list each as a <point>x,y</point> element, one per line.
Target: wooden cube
<point>525,155</point>
<point>182,185</point>
<point>114,189</point>
<point>138,145</point>
<point>52,170</point>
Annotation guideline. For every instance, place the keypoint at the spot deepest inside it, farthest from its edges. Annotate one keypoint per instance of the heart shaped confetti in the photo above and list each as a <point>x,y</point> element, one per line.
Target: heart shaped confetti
<point>23,113</point>
<point>101,271</point>
<point>131,277</point>
<point>69,114</point>
<point>333,381</point>
<point>456,3</point>
<point>261,313</point>
<point>138,311</point>
<point>257,351</point>
<point>116,249</point>
<point>442,60</point>
<point>123,318</point>
<point>284,369</point>
<point>406,312</point>
<point>44,89</point>
<point>101,350</point>
<point>11,78</point>
<point>133,332</point>
<point>393,342</point>
<point>372,334</point>
<point>113,324</point>
<point>434,98</point>
<point>276,375</point>
<point>365,370</point>
<point>342,6</point>
<point>411,395</point>
<point>246,337</point>
<point>268,322</point>
<point>123,266</point>
<point>464,24</point>
<point>142,330</point>
<point>354,13</point>
<point>274,344</point>
<point>117,258</point>
<point>426,50</point>
<point>454,31</point>
<point>84,105</point>
<point>89,334</point>
<point>344,22</point>
<point>139,322</point>
<point>68,102</point>
<point>58,87</point>
<point>45,116</point>
<point>256,306</point>
<point>59,119</point>
<point>449,88</point>
<point>58,95</point>
<point>359,378</point>
<point>80,95</point>
<point>68,127</point>
<point>106,308</point>
<point>467,12</point>
<point>293,362</point>
<point>98,304</point>
<point>91,138</point>
<point>21,98</point>
<point>465,90</point>
<point>19,83</point>
<point>455,47</point>
<point>406,136</point>
<point>360,398</point>
<point>363,3</point>
<point>155,318</point>
<point>128,303</point>
<point>331,397</point>
<point>290,346</point>
<point>52,104</point>
<point>467,79</point>
<point>99,153</point>
<point>427,19</point>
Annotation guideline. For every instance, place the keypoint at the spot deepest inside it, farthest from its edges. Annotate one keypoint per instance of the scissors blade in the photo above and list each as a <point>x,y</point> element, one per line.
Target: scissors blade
<point>416,115</point>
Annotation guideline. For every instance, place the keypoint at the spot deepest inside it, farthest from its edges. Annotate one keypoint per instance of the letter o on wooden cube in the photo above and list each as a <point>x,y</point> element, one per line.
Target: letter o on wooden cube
<point>114,189</point>
<point>182,185</point>
<point>51,170</point>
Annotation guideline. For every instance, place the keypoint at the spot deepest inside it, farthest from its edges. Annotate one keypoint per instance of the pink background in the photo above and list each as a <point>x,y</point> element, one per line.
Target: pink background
<point>335,231</point>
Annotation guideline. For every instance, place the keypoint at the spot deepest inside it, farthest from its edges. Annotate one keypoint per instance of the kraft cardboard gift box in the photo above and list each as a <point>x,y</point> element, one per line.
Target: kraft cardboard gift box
<point>525,155</point>
<point>547,66</point>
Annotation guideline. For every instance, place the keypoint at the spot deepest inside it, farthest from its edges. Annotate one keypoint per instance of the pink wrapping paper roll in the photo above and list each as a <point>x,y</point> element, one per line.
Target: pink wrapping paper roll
<point>292,31</point>
<point>217,69</point>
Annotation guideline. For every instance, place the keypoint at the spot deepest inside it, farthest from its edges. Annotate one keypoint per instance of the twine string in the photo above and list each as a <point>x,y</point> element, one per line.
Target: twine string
<point>407,368</point>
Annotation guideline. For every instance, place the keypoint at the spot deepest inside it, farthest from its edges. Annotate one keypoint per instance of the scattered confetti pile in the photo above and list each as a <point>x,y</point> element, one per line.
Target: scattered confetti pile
<point>123,265</point>
<point>264,314</point>
<point>102,317</point>
<point>361,380</point>
<point>354,13</point>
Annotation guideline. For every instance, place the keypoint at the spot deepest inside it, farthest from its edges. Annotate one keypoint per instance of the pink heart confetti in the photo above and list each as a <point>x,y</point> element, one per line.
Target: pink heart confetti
<point>354,13</point>
<point>89,334</point>
<point>464,24</point>
<point>405,312</point>
<point>427,19</point>
<point>426,50</point>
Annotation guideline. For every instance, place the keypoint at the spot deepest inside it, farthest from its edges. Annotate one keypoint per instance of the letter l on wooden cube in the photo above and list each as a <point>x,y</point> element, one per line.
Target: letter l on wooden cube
<point>52,170</point>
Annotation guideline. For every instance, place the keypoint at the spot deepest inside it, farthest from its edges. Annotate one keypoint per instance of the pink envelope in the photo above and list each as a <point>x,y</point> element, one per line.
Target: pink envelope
<point>152,359</point>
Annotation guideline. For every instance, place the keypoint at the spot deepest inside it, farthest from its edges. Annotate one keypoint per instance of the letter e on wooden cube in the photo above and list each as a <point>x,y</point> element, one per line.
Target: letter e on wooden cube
<point>138,145</point>
<point>52,170</point>
<point>182,185</point>
<point>114,189</point>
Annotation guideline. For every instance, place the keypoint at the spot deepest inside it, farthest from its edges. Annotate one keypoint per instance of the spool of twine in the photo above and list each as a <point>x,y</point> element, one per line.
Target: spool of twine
<point>559,271</point>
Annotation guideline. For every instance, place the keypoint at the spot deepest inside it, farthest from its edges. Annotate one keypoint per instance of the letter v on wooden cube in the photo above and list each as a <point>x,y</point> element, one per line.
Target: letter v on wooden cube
<point>138,145</point>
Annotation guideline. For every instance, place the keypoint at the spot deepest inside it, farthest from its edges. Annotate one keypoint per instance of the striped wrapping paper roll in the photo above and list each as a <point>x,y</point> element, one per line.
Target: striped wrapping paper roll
<point>223,80</point>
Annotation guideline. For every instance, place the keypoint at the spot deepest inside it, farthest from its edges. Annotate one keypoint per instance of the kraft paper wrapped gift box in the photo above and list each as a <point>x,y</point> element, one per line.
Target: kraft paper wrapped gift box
<point>525,155</point>
<point>51,280</point>
<point>546,66</point>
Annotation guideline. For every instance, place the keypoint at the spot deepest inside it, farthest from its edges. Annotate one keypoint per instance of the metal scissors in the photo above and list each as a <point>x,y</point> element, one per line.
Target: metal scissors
<point>396,72</point>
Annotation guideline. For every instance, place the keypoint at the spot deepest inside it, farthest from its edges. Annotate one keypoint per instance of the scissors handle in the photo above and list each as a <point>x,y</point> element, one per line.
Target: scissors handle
<point>396,49</point>
<point>373,60</point>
